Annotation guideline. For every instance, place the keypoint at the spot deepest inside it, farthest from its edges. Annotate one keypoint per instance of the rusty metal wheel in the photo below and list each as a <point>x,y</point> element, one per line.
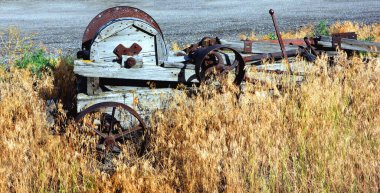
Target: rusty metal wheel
<point>115,127</point>
<point>217,61</point>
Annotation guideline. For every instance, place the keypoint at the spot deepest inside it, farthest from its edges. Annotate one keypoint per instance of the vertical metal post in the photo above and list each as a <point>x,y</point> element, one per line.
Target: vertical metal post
<point>280,41</point>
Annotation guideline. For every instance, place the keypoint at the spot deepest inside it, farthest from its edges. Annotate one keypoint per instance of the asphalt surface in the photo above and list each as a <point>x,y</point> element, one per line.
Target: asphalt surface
<point>60,24</point>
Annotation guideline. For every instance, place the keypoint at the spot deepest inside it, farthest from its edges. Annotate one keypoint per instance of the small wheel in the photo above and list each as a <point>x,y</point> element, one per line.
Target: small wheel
<point>115,126</point>
<point>218,60</point>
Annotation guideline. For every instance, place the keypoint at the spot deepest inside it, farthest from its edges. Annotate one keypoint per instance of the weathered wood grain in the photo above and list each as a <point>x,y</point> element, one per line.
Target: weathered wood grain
<point>258,47</point>
<point>297,67</point>
<point>149,73</point>
<point>324,44</point>
<point>141,100</point>
<point>178,65</point>
<point>351,44</point>
<point>275,74</point>
<point>127,31</point>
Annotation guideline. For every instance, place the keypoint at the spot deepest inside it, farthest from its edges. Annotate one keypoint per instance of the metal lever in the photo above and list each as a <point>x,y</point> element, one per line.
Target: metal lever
<point>280,41</point>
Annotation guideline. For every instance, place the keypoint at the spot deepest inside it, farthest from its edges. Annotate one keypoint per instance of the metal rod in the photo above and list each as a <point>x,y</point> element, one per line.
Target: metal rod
<point>280,41</point>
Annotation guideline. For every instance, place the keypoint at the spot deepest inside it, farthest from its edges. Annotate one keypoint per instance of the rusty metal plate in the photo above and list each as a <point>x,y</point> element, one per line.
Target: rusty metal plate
<point>122,50</point>
<point>337,38</point>
<point>247,46</point>
<point>114,13</point>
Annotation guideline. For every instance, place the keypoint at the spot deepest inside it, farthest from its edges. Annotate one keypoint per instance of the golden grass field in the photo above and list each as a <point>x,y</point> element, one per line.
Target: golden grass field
<point>322,136</point>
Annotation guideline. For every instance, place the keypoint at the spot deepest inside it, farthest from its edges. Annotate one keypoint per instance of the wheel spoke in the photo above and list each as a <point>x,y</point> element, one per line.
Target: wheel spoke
<point>95,130</point>
<point>228,68</point>
<point>112,121</point>
<point>124,133</point>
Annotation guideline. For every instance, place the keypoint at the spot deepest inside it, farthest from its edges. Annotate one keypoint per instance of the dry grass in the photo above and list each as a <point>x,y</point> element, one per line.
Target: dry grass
<point>322,136</point>
<point>13,44</point>
<point>176,47</point>
<point>305,31</point>
<point>365,32</point>
<point>252,36</point>
<point>371,32</point>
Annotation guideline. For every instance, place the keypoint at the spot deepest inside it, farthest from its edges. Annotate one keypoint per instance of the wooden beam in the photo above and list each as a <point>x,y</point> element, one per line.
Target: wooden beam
<point>257,47</point>
<point>141,100</point>
<point>147,73</point>
<point>350,44</point>
<point>356,45</point>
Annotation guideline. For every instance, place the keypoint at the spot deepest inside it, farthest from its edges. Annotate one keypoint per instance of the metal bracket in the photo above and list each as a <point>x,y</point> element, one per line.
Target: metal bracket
<point>247,47</point>
<point>121,50</point>
<point>337,38</point>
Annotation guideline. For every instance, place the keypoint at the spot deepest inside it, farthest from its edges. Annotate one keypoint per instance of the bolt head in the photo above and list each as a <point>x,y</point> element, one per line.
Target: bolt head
<point>130,62</point>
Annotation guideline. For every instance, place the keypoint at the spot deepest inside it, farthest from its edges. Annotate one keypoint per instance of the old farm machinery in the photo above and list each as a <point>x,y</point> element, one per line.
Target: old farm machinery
<point>124,53</point>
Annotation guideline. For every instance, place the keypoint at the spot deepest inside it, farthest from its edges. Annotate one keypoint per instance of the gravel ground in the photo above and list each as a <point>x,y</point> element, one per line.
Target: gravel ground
<point>60,24</point>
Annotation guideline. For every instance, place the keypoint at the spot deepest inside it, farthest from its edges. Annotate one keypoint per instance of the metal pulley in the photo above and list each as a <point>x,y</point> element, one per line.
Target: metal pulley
<point>217,60</point>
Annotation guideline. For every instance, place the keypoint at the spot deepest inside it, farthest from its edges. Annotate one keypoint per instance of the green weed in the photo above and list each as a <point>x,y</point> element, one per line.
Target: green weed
<point>272,36</point>
<point>322,29</point>
<point>37,61</point>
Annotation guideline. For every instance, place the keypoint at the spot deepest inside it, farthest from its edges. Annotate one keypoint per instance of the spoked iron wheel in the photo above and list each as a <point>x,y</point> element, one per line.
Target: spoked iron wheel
<point>115,127</point>
<point>216,61</point>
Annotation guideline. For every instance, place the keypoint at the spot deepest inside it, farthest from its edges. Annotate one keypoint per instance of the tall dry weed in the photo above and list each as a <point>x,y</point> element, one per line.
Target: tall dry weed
<point>304,31</point>
<point>369,32</point>
<point>13,45</point>
<point>32,159</point>
<point>365,32</point>
<point>320,136</point>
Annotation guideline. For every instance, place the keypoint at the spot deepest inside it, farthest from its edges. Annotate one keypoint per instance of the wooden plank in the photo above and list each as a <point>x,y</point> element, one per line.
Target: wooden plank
<point>324,44</point>
<point>297,67</point>
<point>145,41</point>
<point>258,47</point>
<point>142,25</point>
<point>123,27</point>
<point>273,79</point>
<point>125,88</point>
<point>113,29</point>
<point>100,51</point>
<point>126,32</point>
<point>350,44</point>
<point>178,65</point>
<point>297,42</point>
<point>146,58</point>
<point>144,101</point>
<point>275,74</point>
<point>326,39</point>
<point>148,73</point>
<point>356,45</point>
<point>331,53</point>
